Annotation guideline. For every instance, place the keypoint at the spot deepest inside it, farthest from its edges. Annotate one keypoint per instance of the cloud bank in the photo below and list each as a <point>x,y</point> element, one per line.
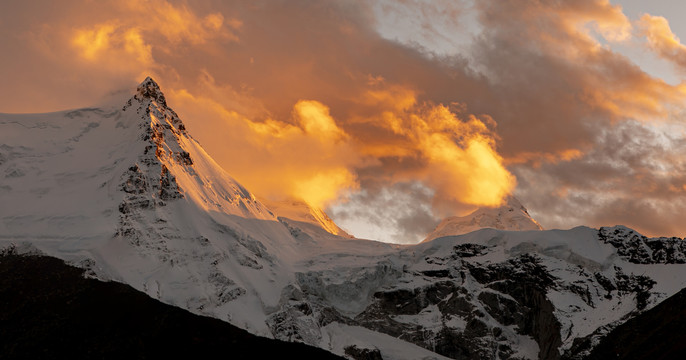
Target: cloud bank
<point>309,100</point>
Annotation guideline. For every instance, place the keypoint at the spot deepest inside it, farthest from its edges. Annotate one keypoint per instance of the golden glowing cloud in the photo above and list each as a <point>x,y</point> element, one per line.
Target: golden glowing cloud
<point>662,40</point>
<point>104,41</point>
<point>607,19</point>
<point>132,36</point>
<point>300,99</point>
<point>134,44</point>
<point>323,187</point>
<point>92,41</point>
<point>309,158</point>
<point>317,122</point>
<point>178,23</point>
<point>462,162</point>
<point>457,157</point>
<point>472,175</point>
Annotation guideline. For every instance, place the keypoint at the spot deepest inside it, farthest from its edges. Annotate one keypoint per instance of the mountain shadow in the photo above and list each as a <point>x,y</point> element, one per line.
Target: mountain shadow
<point>657,334</point>
<point>48,309</point>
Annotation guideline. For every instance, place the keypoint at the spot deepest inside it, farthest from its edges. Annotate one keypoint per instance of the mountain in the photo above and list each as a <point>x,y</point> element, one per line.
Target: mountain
<point>127,194</point>
<point>510,216</point>
<point>48,309</point>
<point>127,190</point>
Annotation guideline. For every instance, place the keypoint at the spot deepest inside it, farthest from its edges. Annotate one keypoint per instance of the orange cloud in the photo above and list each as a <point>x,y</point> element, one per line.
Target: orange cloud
<point>92,41</point>
<point>536,159</point>
<point>309,157</point>
<point>471,175</point>
<point>662,40</point>
<point>316,121</point>
<point>179,24</point>
<point>132,36</point>
<point>462,163</point>
<point>455,157</point>
<point>318,158</point>
<point>606,19</point>
<point>107,43</point>
<point>306,99</point>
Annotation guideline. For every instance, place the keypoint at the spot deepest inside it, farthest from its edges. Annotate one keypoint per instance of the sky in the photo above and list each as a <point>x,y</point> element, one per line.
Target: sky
<point>392,114</point>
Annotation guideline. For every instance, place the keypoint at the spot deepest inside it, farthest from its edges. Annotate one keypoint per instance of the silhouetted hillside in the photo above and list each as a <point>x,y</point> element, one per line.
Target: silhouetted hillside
<point>657,334</point>
<point>49,310</point>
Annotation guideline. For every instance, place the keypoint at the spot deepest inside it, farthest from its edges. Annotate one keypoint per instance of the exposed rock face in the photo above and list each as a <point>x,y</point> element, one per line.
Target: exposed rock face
<point>462,305</point>
<point>149,89</point>
<point>363,354</point>
<point>640,249</point>
<point>513,297</point>
<point>148,183</point>
<point>526,281</point>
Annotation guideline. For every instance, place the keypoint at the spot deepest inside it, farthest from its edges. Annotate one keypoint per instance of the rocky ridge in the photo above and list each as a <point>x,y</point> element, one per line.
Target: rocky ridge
<point>640,249</point>
<point>468,303</point>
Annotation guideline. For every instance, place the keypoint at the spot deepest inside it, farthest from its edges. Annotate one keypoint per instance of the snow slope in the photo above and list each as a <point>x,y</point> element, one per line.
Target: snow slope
<point>128,189</point>
<point>303,213</point>
<point>127,193</point>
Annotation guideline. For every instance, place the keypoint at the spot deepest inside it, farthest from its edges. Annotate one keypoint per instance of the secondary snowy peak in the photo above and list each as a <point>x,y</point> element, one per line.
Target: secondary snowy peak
<point>511,216</point>
<point>302,212</point>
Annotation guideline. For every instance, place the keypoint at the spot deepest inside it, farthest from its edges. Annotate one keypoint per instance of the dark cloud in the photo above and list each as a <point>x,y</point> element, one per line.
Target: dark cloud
<point>401,206</point>
<point>634,175</point>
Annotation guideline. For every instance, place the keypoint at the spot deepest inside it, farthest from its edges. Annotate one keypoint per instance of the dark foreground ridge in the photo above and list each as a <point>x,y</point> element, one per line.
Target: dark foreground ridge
<point>49,310</point>
<point>657,334</point>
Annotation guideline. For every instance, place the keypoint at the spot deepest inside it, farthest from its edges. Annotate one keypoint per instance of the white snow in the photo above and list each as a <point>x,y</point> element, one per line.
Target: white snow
<point>221,252</point>
<point>338,336</point>
<point>510,216</point>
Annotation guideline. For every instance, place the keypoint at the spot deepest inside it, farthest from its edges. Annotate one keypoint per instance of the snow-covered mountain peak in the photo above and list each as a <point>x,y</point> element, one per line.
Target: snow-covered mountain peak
<point>149,89</point>
<point>168,143</point>
<point>128,189</point>
<point>510,216</point>
<point>150,103</point>
<point>100,167</point>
